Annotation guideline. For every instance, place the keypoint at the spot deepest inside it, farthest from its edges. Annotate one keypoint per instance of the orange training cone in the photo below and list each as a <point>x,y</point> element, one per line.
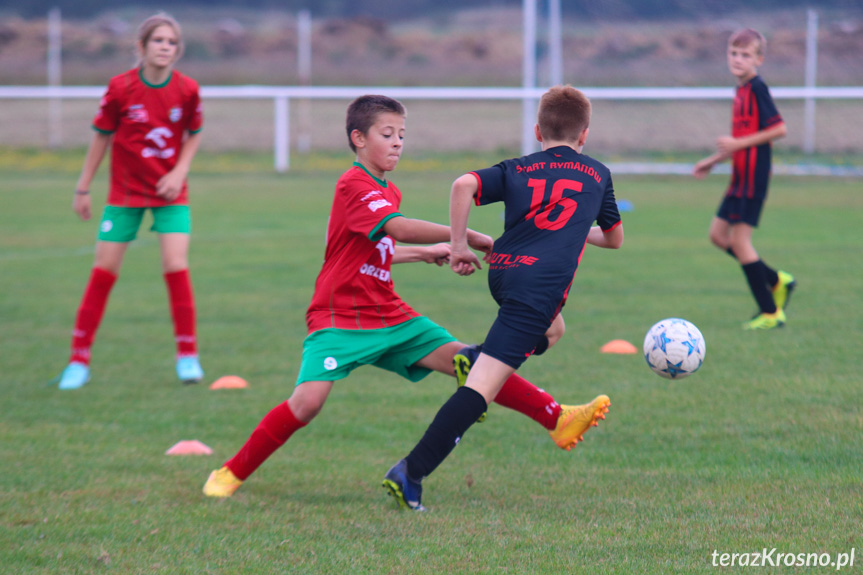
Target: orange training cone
<point>229,382</point>
<point>618,346</point>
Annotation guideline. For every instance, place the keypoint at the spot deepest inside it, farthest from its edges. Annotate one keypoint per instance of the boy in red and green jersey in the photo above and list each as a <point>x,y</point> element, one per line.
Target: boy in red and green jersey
<point>355,317</point>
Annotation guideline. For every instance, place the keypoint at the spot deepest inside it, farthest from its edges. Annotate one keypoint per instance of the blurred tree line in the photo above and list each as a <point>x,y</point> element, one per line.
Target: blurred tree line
<point>387,9</point>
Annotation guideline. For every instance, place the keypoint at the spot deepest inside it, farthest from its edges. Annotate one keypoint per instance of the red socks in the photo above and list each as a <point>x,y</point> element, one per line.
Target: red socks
<point>526,398</point>
<point>271,433</point>
<point>96,299</point>
<point>182,311</point>
<point>90,313</point>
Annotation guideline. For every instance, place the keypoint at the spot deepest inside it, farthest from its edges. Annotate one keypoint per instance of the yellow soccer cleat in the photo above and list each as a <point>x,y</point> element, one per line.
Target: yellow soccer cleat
<point>766,321</point>
<point>782,290</point>
<point>221,483</point>
<point>575,420</point>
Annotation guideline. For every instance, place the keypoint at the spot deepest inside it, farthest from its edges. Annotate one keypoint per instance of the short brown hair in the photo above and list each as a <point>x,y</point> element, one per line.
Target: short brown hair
<point>363,112</point>
<point>747,36</point>
<point>564,113</point>
<point>148,26</point>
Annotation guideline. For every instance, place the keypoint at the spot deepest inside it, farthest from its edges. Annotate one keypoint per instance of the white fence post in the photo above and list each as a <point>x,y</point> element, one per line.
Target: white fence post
<point>55,105</point>
<point>555,42</point>
<point>304,73</point>
<point>282,143</point>
<point>528,106</point>
<point>811,73</point>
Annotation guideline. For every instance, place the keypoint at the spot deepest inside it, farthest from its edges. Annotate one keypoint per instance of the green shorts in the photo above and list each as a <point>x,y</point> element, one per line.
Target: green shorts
<point>121,224</point>
<point>332,354</point>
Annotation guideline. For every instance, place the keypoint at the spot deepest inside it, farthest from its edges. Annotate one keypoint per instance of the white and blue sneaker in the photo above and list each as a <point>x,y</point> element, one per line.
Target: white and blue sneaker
<point>407,492</point>
<point>74,376</point>
<point>189,369</point>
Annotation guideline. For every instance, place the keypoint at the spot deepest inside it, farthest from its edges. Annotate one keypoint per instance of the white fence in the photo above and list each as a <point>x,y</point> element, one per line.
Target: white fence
<point>281,97</point>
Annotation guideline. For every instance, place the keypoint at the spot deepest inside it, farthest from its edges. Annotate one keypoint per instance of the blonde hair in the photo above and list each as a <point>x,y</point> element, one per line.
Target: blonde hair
<point>148,26</point>
<point>747,36</point>
<point>564,113</point>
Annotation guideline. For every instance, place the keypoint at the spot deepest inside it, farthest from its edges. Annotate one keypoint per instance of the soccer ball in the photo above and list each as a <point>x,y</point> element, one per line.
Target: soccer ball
<point>674,348</point>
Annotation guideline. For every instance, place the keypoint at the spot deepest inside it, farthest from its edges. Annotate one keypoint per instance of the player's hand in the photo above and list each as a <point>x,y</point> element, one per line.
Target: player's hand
<point>82,206</point>
<point>482,243</point>
<point>464,262</point>
<point>169,186</point>
<point>437,254</point>
<point>701,169</point>
<point>726,145</point>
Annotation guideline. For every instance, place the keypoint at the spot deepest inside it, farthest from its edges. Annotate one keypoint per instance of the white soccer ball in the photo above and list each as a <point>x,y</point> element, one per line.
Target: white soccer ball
<point>674,348</point>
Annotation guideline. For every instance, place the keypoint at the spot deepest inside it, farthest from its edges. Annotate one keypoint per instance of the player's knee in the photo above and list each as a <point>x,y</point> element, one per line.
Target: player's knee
<point>109,263</point>
<point>554,337</point>
<point>173,265</point>
<point>555,332</point>
<point>306,406</point>
<point>306,410</point>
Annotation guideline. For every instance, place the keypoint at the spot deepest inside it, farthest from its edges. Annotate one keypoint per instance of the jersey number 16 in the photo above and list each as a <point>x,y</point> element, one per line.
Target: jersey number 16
<point>542,215</point>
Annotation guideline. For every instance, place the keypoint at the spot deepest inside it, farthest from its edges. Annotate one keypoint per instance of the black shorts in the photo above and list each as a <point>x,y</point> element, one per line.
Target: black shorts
<point>515,333</point>
<point>740,210</point>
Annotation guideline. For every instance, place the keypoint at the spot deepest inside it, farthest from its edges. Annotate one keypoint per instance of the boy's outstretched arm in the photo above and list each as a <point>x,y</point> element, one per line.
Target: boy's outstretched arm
<point>411,231</point>
<point>434,254</point>
<point>611,239</point>
<point>462,260</point>
<point>727,145</point>
<point>703,167</point>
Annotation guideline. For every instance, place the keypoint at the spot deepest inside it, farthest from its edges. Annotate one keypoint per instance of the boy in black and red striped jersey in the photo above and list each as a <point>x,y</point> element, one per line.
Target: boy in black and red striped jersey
<point>551,200</point>
<point>356,318</point>
<point>151,117</point>
<point>755,123</point>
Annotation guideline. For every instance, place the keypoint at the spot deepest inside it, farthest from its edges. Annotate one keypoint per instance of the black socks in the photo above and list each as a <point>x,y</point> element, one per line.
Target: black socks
<point>451,422</point>
<point>756,275</point>
<point>770,274</point>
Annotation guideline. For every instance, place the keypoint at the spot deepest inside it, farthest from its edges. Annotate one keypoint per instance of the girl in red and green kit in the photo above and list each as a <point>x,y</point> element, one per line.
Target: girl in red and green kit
<point>151,118</point>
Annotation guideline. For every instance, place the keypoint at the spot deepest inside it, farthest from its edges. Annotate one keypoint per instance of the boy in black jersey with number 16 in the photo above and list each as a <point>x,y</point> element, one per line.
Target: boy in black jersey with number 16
<point>551,198</point>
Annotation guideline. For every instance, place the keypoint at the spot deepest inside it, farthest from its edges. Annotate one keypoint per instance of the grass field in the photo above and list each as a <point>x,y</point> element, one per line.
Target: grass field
<point>760,449</point>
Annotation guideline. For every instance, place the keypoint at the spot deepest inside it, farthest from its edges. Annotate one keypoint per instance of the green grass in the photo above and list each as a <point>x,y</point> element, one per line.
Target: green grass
<point>761,448</point>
